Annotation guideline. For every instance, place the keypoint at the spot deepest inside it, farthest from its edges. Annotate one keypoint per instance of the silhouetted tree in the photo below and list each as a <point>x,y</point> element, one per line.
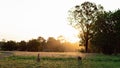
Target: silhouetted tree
<point>39,44</point>
<point>54,45</point>
<point>116,20</point>
<point>42,42</point>
<point>22,46</point>
<point>9,46</point>
<point>107,30</point>
<point>2,45</point>
<point>83,17</point>
<point>33,45</point>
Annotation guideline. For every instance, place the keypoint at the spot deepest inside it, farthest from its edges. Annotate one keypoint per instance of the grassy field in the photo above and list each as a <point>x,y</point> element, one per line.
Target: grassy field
<point>92,61</point>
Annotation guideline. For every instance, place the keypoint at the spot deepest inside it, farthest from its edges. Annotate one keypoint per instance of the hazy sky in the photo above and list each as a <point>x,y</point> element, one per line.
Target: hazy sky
<point>27,19</point>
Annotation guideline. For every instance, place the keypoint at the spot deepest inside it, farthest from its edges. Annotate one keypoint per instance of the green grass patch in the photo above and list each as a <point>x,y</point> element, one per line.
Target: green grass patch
<point>34,58</point>
<point>20,58</point>
<point>30,62</point>
<point>102,61</point>
<point>95,61</point>
<point>104,58</point>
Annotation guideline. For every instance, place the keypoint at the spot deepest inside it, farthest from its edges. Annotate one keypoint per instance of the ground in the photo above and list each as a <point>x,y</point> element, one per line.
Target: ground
<point>17,59</point>
<point>4,54</point>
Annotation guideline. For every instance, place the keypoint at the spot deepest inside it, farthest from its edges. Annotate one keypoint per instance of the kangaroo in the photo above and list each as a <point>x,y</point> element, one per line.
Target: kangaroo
<point>79,58</point>
<point>38,58</point>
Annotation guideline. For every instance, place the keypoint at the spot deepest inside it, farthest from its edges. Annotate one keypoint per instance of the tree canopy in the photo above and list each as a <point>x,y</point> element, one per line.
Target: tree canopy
<point>83,17</point>
<point>107,29</point>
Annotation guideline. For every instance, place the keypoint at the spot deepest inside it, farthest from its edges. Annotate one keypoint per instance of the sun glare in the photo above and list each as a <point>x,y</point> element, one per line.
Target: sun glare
<point>73,39</point>
<point>71,34</point>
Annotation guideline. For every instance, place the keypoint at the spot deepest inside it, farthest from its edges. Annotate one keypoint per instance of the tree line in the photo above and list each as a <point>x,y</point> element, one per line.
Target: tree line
<point>107,37</point>
<point>99,29</point>
<point>39,44</point>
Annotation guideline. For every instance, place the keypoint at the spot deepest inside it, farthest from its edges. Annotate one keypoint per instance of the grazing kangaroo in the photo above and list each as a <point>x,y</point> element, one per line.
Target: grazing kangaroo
<point>38,57</point>
<point>79,58</point>
<point>79,62</point>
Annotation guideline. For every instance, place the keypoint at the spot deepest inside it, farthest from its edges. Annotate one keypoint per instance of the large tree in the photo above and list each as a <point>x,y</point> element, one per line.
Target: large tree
<point>22,46</point>
<point>116,20</point>
<point>9,46</point>
<point>54,45</point>
<point>107,30</point>
<point>103,39</point>
<point>42,42</point>
<point>83,17</point>
<point>33,45</point>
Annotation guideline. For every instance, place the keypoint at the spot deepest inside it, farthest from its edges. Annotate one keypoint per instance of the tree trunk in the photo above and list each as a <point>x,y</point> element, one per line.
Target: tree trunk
<point>86,40</point>
<point>86,45</point>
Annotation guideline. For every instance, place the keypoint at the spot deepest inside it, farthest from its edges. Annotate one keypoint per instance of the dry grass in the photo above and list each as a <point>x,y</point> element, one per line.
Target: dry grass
<point>46,54</point>
<point>49,54</point>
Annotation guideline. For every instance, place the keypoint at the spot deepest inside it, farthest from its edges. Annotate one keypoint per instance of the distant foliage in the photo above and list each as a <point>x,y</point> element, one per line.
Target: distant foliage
<point>9,45</point>
<point>39,44</point>
<point>33,45</point>
<point>22,46</point>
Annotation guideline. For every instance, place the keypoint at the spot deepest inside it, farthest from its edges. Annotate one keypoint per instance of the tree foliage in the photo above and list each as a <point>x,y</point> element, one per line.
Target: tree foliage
<point>33,45</point>
<point>22,46</point>
<point>9,45</point>
<point>39,44</point>
<point>83,17</point>
<point>54,45</point>
<point>42,42</point>
<point>107,29</point>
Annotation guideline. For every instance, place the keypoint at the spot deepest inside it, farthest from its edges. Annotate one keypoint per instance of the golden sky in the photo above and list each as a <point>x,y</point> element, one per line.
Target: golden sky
<point>27,19</point>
